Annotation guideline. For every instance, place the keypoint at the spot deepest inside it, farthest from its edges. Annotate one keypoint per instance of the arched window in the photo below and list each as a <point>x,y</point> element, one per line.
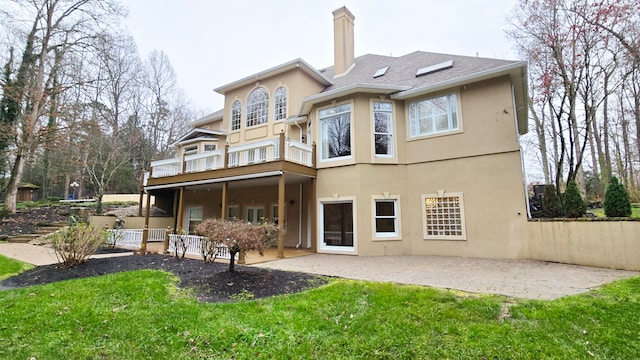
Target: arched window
<point>236,109</point>
<point>257,107</point>
<point>280,103</point>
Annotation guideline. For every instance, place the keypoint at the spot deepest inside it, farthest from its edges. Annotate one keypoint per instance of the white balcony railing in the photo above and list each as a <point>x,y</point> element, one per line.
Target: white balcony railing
<point>209,160</point>
<point>254,153</point>
<point>243,155</point>
<point>193,246</point>
<point>298,152</point>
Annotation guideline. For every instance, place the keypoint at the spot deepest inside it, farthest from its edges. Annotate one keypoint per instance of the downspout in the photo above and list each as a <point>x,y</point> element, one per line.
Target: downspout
<point>524,171</point>
<point>299,217</point>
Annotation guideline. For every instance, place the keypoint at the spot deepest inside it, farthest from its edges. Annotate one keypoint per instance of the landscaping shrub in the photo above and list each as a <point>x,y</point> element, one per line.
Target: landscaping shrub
<point>74,244</point>
<point>238,236</point>
<point>551,205</point>
<point>616,200</point>
<point>573,204</point>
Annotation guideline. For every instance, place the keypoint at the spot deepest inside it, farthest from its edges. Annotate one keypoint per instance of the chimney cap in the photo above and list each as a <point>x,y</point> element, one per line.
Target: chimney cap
<point>343,11</point>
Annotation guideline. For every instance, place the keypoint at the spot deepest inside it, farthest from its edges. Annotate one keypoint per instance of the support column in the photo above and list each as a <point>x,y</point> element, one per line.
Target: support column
<point>223,213</point>
<point>145,231</point>
<point>180,210</point>
<point>281,214</point>
<point>313,210</point>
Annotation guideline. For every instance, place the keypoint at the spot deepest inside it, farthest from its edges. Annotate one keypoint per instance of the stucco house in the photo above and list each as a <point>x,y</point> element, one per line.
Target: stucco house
<point>375,155</point>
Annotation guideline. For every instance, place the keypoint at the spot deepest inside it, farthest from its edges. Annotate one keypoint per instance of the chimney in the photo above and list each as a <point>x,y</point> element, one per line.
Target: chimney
<point>342,41</point>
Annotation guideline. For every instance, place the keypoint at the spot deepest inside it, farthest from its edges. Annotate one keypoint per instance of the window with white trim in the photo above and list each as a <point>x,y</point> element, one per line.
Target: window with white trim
<point>257,107</point>
<point>280,103</point>
<point>236,115</point>
<point>194,218</point>
<point>335,132</point>
<point>443,216</point>
<point>336,227</point>
<point>434,115</point>
<point>383,128</point>
<point>385,216</point>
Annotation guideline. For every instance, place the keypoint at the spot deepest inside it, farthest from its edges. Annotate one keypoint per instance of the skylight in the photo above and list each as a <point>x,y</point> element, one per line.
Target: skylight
<point>434,68</point>
<point>380,72</point>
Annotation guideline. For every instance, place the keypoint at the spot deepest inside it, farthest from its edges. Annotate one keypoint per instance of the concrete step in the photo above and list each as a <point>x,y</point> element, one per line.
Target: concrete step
<point>24,238</point>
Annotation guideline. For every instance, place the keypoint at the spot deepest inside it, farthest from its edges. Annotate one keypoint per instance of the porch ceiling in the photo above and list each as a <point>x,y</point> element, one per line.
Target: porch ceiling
<point>251,183</point>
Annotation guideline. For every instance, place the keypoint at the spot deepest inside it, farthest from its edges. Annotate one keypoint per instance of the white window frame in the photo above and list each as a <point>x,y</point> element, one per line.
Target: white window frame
<point>322,246</point>
<point>257,107</point>
<point>389,134</point>
<point>330,114</point>
<point>253,207</point>
<point>415,119</point>
<point>236,115</point>
<point>280,98</point>
<point>382,236</point>
<point>189,230</point>
<point>427,228</point>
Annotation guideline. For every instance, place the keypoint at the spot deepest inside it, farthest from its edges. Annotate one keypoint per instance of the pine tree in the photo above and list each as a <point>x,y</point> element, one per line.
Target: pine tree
<point>573,204</point>
<point>616,200</point>
<point>551,205</point>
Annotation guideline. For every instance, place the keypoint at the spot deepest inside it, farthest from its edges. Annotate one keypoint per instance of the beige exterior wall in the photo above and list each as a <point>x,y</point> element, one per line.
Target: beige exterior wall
<point>608,244</point>
<point>298,84</point>
<point>263,196</point>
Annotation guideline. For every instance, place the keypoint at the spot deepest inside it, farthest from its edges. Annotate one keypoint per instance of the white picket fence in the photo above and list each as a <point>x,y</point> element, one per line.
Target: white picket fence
<point>133,237</point>
<point>194,246</point>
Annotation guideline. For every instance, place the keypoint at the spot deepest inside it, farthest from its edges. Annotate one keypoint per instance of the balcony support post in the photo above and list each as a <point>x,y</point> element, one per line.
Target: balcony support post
<point>281,214</point>
<point>223,213</point>
<point>145,231</point>
<point>281,146</point>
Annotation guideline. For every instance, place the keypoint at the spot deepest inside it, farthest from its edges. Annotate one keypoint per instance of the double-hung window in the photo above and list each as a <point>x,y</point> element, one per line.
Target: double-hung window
<point>383,128</point>
<point>443,217</point>
<point>335,132</point>
<point>385,213</point>
<point>434,115</point>
<point>236,109</point>
<point>280,103</point>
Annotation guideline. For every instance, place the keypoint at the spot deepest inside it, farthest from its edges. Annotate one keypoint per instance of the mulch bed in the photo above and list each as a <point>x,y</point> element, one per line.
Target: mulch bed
<point>211,282</point>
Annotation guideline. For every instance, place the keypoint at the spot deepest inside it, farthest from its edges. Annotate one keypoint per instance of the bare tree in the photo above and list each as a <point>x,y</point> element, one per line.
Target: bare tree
<point>58,28</point>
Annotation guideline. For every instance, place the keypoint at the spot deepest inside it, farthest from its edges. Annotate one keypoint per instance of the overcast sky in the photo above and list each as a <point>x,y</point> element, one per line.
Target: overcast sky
<point>212,43</point>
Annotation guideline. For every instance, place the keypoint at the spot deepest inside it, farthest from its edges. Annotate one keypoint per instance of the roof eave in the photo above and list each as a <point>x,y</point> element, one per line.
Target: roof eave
<point>213,117</point>
<point>184,137</point>
<point>509,69</point>
<point>293,64</point>
<point>309,101</point>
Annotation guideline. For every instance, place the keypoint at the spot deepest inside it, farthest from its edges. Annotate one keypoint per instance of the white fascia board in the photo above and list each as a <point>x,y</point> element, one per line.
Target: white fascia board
<point>309,101</point>
<point>194,140</point>
<point>296,119</point>
<point>482,75</point>
<point>193,131</point>
<point>213,181</point>
<point>213,117</point>
<point>297,63</point>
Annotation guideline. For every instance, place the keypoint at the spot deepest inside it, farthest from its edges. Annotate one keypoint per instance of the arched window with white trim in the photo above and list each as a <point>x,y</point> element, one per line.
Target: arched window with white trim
<point>257,107</point>
<point>280,103</point>
<point>236,110</point>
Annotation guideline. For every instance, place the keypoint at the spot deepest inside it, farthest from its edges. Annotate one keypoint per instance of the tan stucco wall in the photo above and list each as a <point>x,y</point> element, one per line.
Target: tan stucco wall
<point>264,196</point>
<point>609,244</point>
<point>298,84</point>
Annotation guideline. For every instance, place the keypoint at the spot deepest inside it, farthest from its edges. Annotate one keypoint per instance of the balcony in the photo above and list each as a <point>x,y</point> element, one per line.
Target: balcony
<point>277,149</point>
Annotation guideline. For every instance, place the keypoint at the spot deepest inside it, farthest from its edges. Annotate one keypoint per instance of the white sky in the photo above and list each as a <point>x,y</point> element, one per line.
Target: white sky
<point>211,42</point>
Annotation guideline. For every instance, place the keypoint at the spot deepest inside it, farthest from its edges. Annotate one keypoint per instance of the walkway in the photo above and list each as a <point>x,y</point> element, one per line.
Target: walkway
<point>516,278</point>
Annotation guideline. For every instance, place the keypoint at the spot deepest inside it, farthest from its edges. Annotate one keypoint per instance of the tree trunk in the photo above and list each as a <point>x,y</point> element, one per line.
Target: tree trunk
<point>14,181</point>
<point>542,142</point>
<point>232,261</point>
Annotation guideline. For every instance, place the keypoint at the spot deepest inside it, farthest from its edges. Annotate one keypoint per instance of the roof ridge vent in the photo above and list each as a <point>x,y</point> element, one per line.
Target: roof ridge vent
<point>434,68</point>
<point>381,72</point>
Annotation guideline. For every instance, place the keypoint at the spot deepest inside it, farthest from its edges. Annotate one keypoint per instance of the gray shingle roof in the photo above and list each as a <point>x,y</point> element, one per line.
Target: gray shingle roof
<point>402,69</point>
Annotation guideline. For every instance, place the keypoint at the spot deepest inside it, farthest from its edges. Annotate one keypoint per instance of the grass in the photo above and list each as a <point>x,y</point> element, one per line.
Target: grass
<point>635,212</point>
<point>142,315</point>
<point>10,267</point>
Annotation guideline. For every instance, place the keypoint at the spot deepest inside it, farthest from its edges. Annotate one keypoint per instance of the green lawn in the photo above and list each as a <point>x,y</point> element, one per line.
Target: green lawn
<point>10,267</point>
<point>143,315</point>
<point>635,212</point>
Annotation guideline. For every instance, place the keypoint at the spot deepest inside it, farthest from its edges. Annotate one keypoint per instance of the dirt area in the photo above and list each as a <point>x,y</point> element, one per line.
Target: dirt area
<point>210,281</point>
<point>28,220</point>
